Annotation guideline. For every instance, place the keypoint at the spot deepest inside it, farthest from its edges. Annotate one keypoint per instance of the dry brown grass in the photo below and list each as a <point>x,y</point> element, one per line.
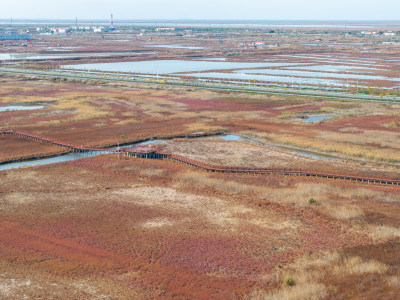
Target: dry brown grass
<point>394,281</point>
<point>338,263</point>
<point>364,137</point>
<point>18,198</point>
<point>325,195</point>
<point>190,179</point>
<point>356,265</point>
<point>368,194</point>
<point>83,109</point>
<point>346,148</point>
<point>126,122</point>
<point>143,171</point>
<point>202,127</point>
<point>343,211</point>
<point>303,291</point>
<point>157,223</point>
<point>304,191</point>
<point>382,232</point>
<point>393,124</point>
<point>153,172</point>
<point>367,145</point>
<point>309,274</point>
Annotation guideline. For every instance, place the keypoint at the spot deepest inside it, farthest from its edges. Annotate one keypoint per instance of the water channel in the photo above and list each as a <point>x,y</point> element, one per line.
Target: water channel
<point>75,156</point>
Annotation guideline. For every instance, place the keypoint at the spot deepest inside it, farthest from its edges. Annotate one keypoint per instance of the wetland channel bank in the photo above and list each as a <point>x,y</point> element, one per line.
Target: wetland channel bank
<point>150,151</point>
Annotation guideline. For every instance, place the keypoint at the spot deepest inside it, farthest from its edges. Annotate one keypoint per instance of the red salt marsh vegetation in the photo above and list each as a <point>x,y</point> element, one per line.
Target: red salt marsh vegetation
<point>15,149</point>
<point>104,227</point>
<point>104,115</point>
<point>154,229</point>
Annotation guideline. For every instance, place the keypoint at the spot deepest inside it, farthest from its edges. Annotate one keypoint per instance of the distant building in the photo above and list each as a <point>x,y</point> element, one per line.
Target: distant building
<point>165,29</point>
<point>369,32</point>
<point>60,31</point>
<point>98,29</point>
<point>389,33</point>
<point>14,37</point>
<point>252,44</point>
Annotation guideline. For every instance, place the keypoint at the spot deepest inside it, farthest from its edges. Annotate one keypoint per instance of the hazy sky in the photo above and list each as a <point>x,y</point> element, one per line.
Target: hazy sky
<point>203,9</point>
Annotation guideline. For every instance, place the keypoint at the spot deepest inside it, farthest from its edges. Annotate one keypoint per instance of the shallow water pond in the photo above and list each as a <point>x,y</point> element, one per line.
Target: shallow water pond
<point>314,119</point>
<point>232,137</point>
<point>172,66</point>
<point>19,107</point>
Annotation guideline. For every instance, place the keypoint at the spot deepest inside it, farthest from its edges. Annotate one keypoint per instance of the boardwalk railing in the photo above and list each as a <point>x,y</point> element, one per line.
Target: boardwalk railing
<point>222,169</point>
<point>155,153</point>
<point>74,147</point>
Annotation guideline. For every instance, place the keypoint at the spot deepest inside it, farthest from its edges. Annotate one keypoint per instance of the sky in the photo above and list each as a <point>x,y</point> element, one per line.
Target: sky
<point>202,9</point>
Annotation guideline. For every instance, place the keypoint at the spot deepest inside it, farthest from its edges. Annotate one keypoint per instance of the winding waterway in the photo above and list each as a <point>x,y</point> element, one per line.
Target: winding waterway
<point>75,156</point>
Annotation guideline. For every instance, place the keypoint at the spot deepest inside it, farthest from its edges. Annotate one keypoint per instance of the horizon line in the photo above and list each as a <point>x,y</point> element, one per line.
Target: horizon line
<point>203,20</point>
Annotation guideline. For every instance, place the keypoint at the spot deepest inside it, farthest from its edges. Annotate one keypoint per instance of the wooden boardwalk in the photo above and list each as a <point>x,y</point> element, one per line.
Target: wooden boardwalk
<point>155,153</point>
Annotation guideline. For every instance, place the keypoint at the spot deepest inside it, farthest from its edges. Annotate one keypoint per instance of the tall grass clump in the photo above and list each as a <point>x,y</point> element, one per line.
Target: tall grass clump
<point>198,180</point>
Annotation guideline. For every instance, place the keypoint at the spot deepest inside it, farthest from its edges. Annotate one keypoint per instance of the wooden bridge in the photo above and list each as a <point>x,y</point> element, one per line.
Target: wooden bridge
<point>222,169</point>
<point>138,151</point>
<point>36,137</point>
<point>150,152</point>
